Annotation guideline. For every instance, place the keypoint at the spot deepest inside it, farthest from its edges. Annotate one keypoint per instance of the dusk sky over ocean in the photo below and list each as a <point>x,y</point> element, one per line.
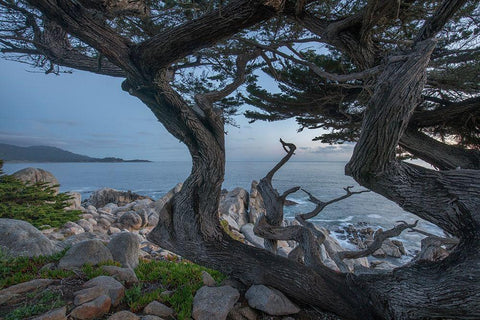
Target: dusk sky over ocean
<point>90,114</point>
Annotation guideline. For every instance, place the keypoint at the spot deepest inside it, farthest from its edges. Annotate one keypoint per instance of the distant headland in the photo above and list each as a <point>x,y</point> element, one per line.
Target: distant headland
<point>11,153</point>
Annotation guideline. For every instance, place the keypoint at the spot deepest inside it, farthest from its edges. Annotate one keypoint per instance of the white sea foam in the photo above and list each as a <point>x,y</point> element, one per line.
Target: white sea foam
<point>347,219</point>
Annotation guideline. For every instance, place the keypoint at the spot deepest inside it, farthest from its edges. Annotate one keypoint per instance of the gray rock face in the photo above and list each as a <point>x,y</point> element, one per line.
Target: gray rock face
<point>151,317</point>
<point>208,280</point>
<point>125,248</point>
<point>72,240</point>
<point>234,205</point>
<point>332,245</point>
<point>36,175</point>
<point>158,205</point>
<point>124,315</point>
<point>85,224</point>
<point>106,285</point>
<point>92,310</point>
<point>107,195</point>
<point>250,236</point>
<point>432,250</point>
<point>13,293</point>
<point>392,248</point>
<point>20,238</point>
<point>158,309</point>
<point>88,251</point>
<point>214,303</point>
<point>243,313</point>
<point>256,207</point>
<point>270,301</point>
<point>75,201</point>
<point>125,275</point>
<point>71,228</point>
<point>130,220</point>
<point>56,314</point>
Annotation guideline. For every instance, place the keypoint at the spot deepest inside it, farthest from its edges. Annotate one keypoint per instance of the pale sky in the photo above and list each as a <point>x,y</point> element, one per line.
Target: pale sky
<point>91,115</point>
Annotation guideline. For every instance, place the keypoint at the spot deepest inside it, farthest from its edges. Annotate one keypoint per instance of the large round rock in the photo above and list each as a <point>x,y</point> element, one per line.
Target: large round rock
<point>88,251</point>
<point>214,303</point>
<point>270,301</point>
<point>125,248</point>
<point>36,175</point>
<point>20,238</point>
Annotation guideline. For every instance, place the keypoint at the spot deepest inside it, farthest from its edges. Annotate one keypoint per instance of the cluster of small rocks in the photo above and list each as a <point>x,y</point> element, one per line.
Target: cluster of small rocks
<point>133,213</point>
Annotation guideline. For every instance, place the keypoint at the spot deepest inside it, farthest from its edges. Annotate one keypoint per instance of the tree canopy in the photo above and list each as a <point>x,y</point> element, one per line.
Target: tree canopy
<point>382,73</point>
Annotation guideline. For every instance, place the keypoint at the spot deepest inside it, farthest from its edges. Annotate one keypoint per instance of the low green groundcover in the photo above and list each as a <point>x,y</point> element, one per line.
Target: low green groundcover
<point>171,282</point>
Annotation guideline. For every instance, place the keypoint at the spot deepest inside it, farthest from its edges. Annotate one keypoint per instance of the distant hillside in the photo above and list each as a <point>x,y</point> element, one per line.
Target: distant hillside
<point>10,152</point>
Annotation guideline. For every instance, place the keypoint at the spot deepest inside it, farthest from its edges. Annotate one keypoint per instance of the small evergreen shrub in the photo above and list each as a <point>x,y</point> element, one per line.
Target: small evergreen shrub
<point>34,203</point>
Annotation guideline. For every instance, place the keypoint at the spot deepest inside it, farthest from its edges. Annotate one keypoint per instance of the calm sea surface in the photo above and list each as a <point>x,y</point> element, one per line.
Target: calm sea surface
<point>325,180</point>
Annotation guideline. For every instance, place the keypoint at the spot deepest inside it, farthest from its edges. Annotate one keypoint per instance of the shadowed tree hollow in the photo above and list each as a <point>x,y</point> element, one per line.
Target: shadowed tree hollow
<point>383,73</point>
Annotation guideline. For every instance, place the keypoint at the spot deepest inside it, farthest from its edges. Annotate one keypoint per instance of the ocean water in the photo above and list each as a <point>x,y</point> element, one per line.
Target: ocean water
<point>325,180</point>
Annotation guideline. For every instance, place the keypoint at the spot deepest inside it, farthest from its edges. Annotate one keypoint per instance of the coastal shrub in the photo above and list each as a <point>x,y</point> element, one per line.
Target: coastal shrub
<point>37,303</point>
<point>182,278</point>
<point>22,269</point>
<point>137,297</point>
<point>34,203</point>
<point>92,271</point>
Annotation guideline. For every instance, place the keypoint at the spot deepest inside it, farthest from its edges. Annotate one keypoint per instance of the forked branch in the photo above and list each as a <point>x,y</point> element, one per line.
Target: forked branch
<point>308,242</point>
<point>321,205</point>
<point>379,237</point>
<point>290,150</point>
<point>274,202</point>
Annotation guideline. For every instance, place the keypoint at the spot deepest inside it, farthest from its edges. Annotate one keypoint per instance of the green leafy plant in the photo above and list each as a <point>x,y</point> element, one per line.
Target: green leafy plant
<point>34,203</point>
<point>182,278</point>
<point>22,269</point>
<point>37,303</point>
<point>137,297</point>
<point>93,271</point>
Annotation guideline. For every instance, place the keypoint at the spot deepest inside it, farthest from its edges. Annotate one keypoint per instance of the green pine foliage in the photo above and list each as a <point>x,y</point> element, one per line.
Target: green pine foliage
<point>34,203</point>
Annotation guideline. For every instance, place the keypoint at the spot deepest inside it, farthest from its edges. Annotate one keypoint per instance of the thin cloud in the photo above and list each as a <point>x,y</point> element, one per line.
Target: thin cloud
<point>24,140</point>
<point>69,123</point>
<point>337,148</point>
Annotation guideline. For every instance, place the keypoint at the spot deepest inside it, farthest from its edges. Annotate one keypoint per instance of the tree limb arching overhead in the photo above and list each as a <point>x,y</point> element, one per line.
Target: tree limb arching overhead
<point>146,48</point>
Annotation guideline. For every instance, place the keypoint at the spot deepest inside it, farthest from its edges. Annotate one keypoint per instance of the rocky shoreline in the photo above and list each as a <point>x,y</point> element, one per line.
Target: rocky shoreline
<point>113,226</point>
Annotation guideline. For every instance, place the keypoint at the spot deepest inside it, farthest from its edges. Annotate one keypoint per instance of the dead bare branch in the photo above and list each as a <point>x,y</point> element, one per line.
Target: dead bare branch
<point>307,241</point>
<point>321,205</point>
<point>379,237</point>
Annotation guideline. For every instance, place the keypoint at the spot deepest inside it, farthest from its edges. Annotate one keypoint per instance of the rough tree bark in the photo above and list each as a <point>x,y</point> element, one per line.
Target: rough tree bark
<point>273,201</point>
<point>450,199</point>
<point>189,223</point>
<point>438,154</point>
